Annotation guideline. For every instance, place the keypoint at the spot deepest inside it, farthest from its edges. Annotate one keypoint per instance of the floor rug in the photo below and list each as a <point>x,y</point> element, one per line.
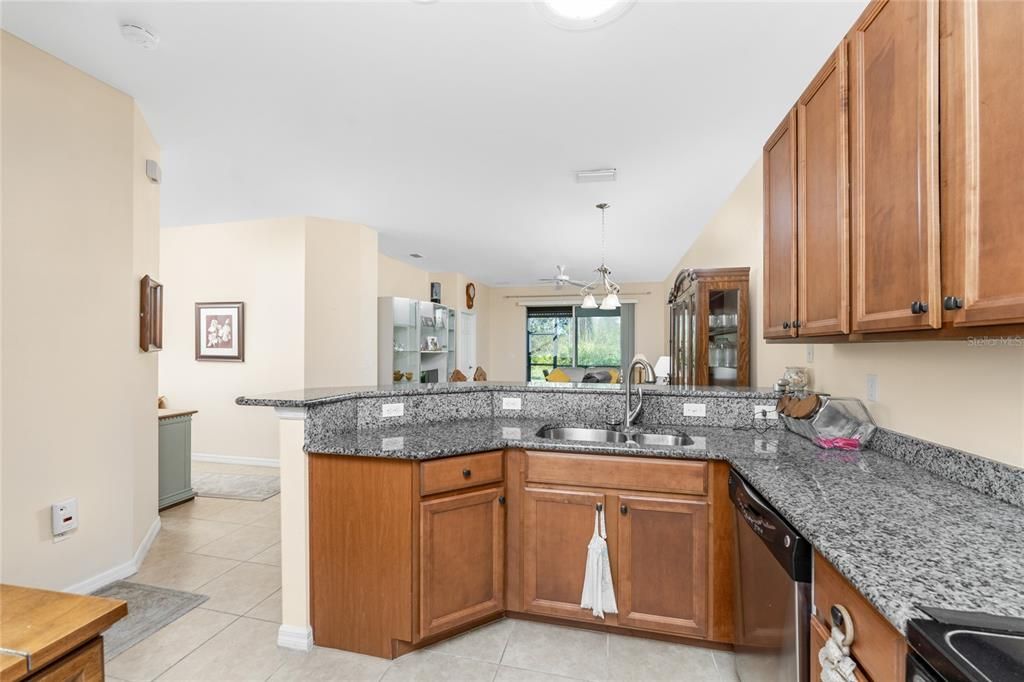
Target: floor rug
<point>149,609</point>
<point>236,486</point>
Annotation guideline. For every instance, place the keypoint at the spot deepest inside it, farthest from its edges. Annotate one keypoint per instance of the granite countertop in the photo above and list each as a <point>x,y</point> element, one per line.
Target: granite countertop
<point>901,535</point>
<point>307,397</point>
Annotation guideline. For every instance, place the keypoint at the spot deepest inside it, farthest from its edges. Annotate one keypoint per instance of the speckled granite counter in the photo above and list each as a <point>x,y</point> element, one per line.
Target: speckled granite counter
<point>902,535</point>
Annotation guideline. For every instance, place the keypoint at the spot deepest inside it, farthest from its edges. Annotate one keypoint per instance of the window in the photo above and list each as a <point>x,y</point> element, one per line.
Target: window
<point>569,336</point>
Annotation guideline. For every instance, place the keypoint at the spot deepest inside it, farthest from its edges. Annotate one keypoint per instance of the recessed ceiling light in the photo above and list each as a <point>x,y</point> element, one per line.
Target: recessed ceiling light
<point>137,34</point>
<point>581,15</point>
<point>415,255</point>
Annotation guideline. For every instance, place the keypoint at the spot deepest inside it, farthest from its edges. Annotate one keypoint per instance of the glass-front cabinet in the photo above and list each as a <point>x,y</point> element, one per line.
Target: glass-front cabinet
<point>416,341</point>
<point>709,336</point>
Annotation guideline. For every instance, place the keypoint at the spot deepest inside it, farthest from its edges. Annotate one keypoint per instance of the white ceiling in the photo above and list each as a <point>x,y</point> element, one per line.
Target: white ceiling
<point>454,128</point>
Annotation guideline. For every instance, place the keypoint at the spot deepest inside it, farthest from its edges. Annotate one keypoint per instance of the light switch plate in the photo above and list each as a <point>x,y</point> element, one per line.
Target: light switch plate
<point>872,388</point>
<point>695,410</point>
<point>511,403</point>
<point>767,410</point>
<point>810,354</point>
<point>392,409</point>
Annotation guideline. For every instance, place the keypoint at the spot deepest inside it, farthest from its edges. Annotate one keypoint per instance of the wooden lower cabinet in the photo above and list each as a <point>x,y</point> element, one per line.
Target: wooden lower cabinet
<point>663,564</point>
<point>557,526</point>
<point>85,664</point>
<point>462,559</point>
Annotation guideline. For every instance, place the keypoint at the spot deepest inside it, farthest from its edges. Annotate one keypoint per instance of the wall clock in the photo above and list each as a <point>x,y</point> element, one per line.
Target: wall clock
<point>470,295</point>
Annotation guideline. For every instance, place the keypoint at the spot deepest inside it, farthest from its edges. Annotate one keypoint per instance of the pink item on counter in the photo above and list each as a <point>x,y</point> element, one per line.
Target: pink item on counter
<point>838,443</point>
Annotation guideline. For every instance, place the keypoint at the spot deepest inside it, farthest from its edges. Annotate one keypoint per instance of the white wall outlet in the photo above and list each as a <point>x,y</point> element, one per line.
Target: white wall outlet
<point>810,354</point>
<point>872,387</point>
<point>511,403</point>
<point>766,447</point>
<point>392,443</point>
<point>392,409</point>
<point>64,518</point>
<point>765,412</point>
<point>695,410</point>
<point>511,432</point>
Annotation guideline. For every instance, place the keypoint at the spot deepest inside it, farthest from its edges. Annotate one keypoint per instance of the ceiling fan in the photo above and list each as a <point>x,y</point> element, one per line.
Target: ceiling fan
<point>561,279</point>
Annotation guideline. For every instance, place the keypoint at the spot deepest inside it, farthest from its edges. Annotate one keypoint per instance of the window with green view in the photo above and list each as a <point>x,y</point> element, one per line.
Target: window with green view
<point>570,336</point>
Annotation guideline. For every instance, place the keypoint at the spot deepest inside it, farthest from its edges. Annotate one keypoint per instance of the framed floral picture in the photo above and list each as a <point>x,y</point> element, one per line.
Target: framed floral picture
<point>220,331</point>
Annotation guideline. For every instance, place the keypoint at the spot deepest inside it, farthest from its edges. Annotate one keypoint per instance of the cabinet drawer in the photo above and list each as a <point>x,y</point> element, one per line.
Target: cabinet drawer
<point>880,651</point>
<point>456,473</point>
<point>621,473</point>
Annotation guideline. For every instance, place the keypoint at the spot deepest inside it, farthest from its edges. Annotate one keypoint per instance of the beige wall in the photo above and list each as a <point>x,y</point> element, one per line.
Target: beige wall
<point>948,392</point>
<point>78,395</point>
<point>507,323</point>
<point>395,278</point>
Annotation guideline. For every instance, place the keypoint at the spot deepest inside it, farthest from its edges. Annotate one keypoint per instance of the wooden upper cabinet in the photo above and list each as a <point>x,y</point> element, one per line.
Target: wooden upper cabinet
<point>982,62</point>
<point>823,202</point>
<point>780,232</point>
<point>894,166</point>
<point>662,566</point>
<point>462,559</point>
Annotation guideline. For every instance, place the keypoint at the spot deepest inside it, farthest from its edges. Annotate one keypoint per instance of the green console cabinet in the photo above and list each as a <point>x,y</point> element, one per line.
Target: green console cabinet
<point>175,456</point>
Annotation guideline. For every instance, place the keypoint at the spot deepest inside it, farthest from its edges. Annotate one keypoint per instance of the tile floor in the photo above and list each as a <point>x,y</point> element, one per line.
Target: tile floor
<point>229,550</point>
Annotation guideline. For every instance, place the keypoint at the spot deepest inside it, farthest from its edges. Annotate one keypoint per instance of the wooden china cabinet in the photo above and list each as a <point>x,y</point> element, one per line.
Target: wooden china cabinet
<point>709,337</point>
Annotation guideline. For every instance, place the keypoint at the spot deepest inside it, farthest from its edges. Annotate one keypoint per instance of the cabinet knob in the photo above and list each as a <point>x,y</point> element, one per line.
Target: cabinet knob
<point>466,473</point>
<point>501,499</point>
<point>785,325</point>
<point>796,324</point>
<point>952,303</point>
<point>623,509</point>
<point>915,307</point>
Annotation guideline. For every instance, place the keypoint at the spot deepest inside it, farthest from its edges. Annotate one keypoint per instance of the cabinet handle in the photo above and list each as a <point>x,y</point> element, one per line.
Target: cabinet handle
<point>796,324</point>
<point>599,507</point>
<point>785,325</point>
<point>952,303</point>
<point>466,473</point>
<point>501,499</point>
<point>623,509</point>
<point>918,307</point>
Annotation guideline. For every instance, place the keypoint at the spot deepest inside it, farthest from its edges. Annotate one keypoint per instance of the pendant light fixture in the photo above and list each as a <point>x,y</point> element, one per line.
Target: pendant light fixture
<point>611,289</point>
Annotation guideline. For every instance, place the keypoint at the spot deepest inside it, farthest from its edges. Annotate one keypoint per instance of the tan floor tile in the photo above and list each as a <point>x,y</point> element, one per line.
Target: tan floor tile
<point>245,650</point>
<point>244,512</point>
<point>269,520</point>
<point>269,609</point>
<point>182,571</point>
<point>557,650</point>
<point>485,643</point>
<point>158,652</point>
<point>241,588</point>
<point>633,658</point>
<point>331,664</point>
<point>507,674</point>
<point>726,664</point>
<point>187,533</point>
<point>430,666</point>
<point>271,555</point>
<point>199,508</point>
<point>241,544</point>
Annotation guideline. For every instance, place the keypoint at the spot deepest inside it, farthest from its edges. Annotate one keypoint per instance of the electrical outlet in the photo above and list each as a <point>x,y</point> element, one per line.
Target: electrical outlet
<point>766,447</point>
<point>511,403</point>
<point>392,409</point>
<point>64,518</point>
<point>392,443</point>
<point>695,410</point>
<point>872,387</point>
<point>511,432</point>
<point>765,412</point>
<point>810,354</point>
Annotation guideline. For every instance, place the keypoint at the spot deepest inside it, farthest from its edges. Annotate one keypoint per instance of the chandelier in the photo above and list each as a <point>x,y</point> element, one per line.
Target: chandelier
<point>604,279</point>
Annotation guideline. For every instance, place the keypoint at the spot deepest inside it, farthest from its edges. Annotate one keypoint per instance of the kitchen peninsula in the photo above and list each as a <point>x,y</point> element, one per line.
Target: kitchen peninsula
<point>455,511</point>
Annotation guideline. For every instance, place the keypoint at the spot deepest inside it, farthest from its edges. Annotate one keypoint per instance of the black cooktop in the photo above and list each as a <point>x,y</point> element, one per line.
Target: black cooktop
<point>969,647</point>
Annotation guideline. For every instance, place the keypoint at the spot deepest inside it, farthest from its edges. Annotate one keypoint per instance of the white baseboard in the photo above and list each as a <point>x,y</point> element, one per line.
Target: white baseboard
<point>233,459</point>
<point>295,637</point>
<point>120,571</point>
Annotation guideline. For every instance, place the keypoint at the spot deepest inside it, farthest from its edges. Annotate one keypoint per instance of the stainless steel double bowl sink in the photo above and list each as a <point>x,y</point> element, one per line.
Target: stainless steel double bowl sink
<point>588,435</point>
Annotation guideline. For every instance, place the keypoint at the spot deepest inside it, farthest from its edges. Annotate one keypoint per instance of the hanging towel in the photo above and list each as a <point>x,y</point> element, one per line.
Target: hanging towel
<point>834,657</point>
<point>598,590</point>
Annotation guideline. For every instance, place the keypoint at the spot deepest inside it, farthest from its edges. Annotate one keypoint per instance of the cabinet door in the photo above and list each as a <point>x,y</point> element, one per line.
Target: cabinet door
<point>894,166</point>
<point>462,559</point>
<point>988,146</point>
<point>663,564</point>
<point>557,527</point>
<point>780,262</point>
<point>823,202</point>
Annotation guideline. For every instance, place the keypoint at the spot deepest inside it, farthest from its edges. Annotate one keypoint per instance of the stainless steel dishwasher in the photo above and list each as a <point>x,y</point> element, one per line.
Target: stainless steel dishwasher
<point>773,591</point>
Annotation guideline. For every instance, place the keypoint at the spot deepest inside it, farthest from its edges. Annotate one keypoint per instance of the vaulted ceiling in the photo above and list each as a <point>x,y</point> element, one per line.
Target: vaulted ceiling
<point>455,128</point>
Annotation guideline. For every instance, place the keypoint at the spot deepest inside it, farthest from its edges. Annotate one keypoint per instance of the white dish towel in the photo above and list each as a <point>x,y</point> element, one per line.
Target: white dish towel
<point>834,657</point>
<point>598,590</point>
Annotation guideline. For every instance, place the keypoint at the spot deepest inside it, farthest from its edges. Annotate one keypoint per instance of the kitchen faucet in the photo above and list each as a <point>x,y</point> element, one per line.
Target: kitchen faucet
<point>631,413</point>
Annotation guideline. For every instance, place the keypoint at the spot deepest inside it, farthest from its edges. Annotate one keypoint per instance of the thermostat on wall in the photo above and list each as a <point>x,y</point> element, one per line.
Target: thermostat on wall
<point>64,518</point>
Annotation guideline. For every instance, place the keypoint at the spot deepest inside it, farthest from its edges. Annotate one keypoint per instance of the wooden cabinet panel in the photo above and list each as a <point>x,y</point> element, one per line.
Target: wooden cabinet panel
<point>879,649</point>
<point>780,231</point>
<point>457,473</point>
<point>662,564</point>
<point>983,142</point>
<point>894,165</point>
<point>85,664</point>
<point>625,473</point>
<point>823,224</point>
<point>462,559</point>
<point>557,527</point>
